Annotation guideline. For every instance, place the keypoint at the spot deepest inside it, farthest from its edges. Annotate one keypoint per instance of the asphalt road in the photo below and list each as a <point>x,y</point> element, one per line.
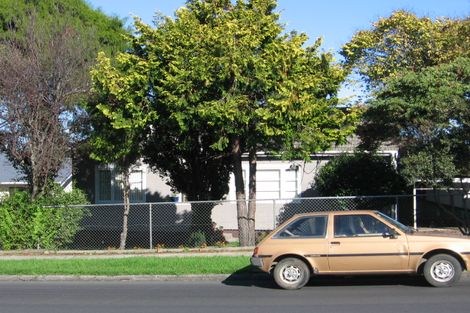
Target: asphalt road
<point>365,294</point>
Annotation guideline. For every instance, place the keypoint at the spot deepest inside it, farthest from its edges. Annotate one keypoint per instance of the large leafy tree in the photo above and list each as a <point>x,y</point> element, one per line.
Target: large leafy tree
<point>278,96</point>
<point>417,69</point>
<point>46,50</point>
<point>427,115</point>
<point>230,72</point>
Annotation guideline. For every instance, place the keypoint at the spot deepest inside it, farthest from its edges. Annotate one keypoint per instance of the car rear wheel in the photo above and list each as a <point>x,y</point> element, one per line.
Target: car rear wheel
<point>291,273</point>
<point>442,270</point>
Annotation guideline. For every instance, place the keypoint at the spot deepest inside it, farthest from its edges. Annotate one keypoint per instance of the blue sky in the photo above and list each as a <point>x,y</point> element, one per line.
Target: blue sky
<point>335,21</point>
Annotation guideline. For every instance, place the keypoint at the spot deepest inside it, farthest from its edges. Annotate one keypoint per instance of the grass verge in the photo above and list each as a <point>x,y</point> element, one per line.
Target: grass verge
<point>127,266</point>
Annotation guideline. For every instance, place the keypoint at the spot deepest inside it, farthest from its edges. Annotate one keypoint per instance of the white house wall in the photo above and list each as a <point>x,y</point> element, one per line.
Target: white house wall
<point>279,179</point>
<point>157,189</point>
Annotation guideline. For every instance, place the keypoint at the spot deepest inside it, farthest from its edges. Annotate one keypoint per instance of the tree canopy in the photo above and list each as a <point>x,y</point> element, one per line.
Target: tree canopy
<point>46,49</point>
<point>427,114</point>
<point>404,41</point>
<point>232,73</point>
<point>417,69</point>
<point>108,32</point>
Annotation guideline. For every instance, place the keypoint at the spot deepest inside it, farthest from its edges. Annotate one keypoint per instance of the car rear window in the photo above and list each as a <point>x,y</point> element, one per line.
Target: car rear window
<point>305,227</point>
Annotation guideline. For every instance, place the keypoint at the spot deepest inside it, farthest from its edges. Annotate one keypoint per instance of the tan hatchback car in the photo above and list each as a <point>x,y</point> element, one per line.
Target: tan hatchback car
<point>357,242</point>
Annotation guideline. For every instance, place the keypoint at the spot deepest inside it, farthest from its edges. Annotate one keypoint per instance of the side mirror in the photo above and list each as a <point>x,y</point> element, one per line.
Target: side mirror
<point>390,234</point>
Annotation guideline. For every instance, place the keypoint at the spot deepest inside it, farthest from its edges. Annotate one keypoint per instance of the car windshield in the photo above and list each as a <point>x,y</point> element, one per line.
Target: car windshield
<point>396,223</point>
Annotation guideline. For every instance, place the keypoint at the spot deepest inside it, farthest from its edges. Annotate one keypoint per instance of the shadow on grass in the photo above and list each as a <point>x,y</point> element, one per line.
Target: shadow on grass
<point>252,277</point>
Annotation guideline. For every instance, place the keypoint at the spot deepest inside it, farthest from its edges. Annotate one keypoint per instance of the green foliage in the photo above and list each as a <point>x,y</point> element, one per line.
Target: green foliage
<point>197,239</point>
<point>427,114</point>
<point>220,79</point>
<point>47,222</point>
<point>108,32</point>
<point>429,168</point>
<point>360,174</point>
<point>230,71</point>
<point>418,70</point>
<point>404,41</point>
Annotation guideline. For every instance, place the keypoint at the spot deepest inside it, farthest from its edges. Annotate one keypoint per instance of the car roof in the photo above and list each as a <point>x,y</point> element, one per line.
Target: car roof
<point>342,212</point>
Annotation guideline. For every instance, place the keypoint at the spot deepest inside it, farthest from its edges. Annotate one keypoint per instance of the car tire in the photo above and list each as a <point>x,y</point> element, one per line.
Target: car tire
<point>442,270</point>
<point>291,273</point>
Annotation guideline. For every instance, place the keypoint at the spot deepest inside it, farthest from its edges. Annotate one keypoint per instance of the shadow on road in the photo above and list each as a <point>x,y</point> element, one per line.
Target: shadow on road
<point>250,277</point>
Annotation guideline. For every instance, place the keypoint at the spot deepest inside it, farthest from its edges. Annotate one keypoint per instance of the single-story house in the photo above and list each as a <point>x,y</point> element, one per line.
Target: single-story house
<point>276,179</point>
<point>11,179</point>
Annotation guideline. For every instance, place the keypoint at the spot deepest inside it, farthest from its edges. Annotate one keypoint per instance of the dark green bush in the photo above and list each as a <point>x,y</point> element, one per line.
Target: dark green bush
<point>360,174</point>
<point>197,239</point>
<point>48,222</point>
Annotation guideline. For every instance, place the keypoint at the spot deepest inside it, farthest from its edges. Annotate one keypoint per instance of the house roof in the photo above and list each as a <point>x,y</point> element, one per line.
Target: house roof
<point>10,175</point>
<point>353,142</point>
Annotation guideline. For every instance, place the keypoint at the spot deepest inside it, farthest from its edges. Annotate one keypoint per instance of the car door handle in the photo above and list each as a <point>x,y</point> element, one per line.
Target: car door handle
<point>335,243</point>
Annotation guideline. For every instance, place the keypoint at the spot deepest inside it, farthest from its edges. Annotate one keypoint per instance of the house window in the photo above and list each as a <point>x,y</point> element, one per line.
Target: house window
<point>104,185</point>
<point>136,181</point>
<point>109,186</point>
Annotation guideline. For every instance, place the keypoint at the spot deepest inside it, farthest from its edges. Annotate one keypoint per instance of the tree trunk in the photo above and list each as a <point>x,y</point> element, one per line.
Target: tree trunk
<point>252,198</point>
<point>243,228</point>
<point>34,177</point>
<point>125,194</point>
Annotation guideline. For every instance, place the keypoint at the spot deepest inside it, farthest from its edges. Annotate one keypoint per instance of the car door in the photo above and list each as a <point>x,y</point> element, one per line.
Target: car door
<point>363,243</point>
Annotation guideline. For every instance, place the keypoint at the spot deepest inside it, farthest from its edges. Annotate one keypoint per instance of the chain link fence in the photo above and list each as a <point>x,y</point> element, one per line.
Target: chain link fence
<point>214,223</point>
<point>192,224</point>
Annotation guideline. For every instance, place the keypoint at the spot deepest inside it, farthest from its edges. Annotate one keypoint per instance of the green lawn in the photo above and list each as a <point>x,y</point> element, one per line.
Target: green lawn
<point>127,266</point>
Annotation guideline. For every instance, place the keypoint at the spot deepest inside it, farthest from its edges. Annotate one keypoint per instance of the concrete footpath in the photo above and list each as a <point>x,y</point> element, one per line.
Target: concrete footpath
<point>116,254</point>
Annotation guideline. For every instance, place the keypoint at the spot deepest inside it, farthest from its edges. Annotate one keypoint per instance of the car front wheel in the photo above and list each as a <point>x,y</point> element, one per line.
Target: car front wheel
<point>291,273</point>
<point>442,270</point>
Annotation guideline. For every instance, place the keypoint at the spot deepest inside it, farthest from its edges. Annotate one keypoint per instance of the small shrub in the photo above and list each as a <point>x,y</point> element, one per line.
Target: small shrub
<point>197,239</point>
<point>48,222</point>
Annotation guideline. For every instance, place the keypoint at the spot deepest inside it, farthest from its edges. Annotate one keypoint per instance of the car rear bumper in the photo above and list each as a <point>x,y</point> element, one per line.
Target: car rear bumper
<point>466,257</point>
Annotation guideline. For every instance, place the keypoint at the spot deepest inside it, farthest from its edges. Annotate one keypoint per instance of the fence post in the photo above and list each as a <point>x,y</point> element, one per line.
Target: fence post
<point>415,209</point>
<point>395,213</point>
<point>150,227</point>
<point>274,213</point>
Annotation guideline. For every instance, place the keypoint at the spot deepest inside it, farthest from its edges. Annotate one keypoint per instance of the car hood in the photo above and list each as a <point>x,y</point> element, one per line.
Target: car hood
<point>437,237</point>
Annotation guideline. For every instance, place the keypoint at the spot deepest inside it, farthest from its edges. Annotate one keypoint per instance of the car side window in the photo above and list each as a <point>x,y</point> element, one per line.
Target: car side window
<point>305,227</point>
<point>359,225</point>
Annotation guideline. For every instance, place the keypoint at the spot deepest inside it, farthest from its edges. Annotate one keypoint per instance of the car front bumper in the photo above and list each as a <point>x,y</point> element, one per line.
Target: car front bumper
<point>256,261</point>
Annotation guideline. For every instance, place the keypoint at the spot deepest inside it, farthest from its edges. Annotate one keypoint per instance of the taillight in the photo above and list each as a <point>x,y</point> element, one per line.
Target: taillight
<point>255,252</point>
